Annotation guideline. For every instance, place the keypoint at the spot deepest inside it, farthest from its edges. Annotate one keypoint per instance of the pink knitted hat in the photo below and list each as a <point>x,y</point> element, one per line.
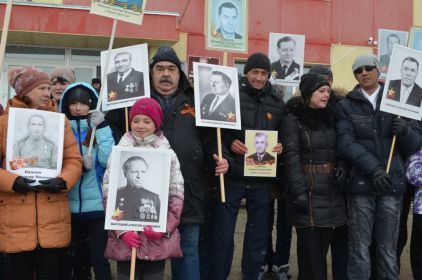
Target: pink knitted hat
<point>24,79</point>
<point>148,107</point>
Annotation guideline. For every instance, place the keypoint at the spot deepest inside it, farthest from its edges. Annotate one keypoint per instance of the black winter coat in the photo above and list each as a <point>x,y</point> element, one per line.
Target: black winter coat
<point>364,138</point>
<point>309,138</point>
<point>260,110</point>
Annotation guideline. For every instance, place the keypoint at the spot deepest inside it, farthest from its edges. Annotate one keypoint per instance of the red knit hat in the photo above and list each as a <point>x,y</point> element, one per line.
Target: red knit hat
<point>148,107</point>
<point>24,79</point>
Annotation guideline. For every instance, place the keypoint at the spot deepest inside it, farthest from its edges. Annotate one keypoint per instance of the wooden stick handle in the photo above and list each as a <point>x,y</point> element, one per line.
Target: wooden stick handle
<point>127,119</point>
<point>390,157</point>
<point>132,264</point>
<point>220,157</point>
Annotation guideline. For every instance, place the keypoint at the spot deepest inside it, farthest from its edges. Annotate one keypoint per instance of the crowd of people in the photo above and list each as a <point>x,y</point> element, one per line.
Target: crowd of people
<point>332,182</point>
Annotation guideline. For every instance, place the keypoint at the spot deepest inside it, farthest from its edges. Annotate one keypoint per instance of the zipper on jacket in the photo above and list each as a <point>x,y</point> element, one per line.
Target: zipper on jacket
<point>311,178</point>
<point>80,180</point>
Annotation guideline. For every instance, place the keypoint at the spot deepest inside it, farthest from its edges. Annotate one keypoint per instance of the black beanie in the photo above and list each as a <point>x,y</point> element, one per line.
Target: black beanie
<point>309,83</point>
<point>257,60</point>
<point>79,94</point>
<point>166,53</point>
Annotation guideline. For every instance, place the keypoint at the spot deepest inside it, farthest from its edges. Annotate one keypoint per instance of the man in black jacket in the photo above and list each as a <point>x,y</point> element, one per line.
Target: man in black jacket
<point>374,196</point>
<point>262,108</point>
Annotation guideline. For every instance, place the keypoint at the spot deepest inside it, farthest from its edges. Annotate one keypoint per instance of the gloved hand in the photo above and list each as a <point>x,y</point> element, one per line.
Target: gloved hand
<point>399,127</point>
<point>151,234</point>
<point>131,239</point>
<point>52,185</point>
<point>88,162</point>
<point>97,117</point>
<point>341,176</point>
<point>301,203</point>
<point>21,185</point>
<point>381,180</point>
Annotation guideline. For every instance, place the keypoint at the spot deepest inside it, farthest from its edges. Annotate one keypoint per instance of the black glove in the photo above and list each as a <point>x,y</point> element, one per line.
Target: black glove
<point>341,176</point>
<point>399,127</point>
<point>52,185</point>
<point>381,180</point>
<point>21,185</point>
<point>301,203</point>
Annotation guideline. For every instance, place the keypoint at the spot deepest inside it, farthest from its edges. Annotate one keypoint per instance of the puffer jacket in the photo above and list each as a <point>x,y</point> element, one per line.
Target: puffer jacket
<point>364,138</point>
<point>309,143</point>
<point>165,247</point>
<point>36,219</point>
<point>86,200</point>
<point>260,110</point>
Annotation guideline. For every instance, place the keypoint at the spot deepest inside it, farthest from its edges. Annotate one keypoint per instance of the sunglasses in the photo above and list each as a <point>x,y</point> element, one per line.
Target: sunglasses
<point>367,68</point>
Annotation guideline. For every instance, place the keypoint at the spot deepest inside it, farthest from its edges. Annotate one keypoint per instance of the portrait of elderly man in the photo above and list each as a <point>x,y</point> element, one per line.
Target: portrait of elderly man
<point>261,157</point>
<point>136,201</point>
<point>220,104</point>
<point>285,67</point>
<point>391,40</point>
<point>125,82</point>
<point>35,148</point>
<point>406,90</point>
<point>228,16</point>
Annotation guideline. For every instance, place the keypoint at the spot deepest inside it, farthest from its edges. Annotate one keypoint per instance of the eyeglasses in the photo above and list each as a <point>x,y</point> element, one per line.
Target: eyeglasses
<point>367,68</point>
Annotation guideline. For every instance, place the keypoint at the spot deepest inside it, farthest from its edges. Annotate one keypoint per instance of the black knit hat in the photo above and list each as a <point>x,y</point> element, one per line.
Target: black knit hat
<point>166,53</point>
<point>309,83</point>
<point>257,60</point>
<point>321,69</point>
<point>79,94</point>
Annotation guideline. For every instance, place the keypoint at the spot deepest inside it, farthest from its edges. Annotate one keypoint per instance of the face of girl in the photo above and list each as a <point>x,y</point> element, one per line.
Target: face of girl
<point>78,109</point>
<point>320,97</point>
<point>142,126</point>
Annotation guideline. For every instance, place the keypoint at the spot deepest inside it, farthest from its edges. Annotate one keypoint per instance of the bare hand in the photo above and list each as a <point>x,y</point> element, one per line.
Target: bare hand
<point>222,166</point>
<point>238,147</point>
<point>278,148</point>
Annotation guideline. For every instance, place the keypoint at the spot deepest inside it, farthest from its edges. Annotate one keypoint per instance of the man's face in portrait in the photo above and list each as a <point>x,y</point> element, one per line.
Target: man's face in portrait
<point>136,174</point>
<point>286,51</point>
<point>228,20</point>
<point>261,144</point>
<point>218,85</point>
<point>36,126</point>
<point>391,41</point>
<point>409,71</point>
<point>122,63</point>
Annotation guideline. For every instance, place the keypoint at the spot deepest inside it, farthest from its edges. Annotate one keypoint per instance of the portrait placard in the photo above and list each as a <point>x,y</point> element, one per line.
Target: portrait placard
<point>286,53</point>
<point>386,40</point>
<point>127,76</point>
<point>138,190</point>
<point>226,25</point>
<point>125,10</point>
<point>34,143</point>
<point>402,93</point>
<point>415,41</point>
<point>216,96</point>
<point>260,161</point>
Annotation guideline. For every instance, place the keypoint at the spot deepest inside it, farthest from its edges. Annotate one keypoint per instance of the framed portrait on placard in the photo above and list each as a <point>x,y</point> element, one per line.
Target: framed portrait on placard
<point>216,96</point>
<point>286,53</point>
<point>402,91</point>
<point>127,76</point>
<point>35,143</point>
<point>138,190</point>
<point>386,40</point>
<point>260,161</point>
<point>125,10</point>
<point>226,25</point>
<point>415,41</point>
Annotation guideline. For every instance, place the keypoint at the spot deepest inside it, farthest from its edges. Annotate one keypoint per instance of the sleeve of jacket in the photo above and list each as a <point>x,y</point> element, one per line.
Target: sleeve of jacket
<point>347,146</point>
<point>105,143</point>
<point>7,178</point>
<point>176,195</point>
<point>72,159</point>
<point>411,142</point>
<point>295,176</point>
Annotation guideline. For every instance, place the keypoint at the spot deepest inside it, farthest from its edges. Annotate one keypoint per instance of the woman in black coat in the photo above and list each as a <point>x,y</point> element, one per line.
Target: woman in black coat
<point>315,202</point>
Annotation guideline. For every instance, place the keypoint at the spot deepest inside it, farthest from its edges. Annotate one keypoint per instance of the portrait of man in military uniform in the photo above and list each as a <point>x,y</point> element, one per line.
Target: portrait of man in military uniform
<point>36,149</point>
<point>261,156</point>
<point>136,201</point>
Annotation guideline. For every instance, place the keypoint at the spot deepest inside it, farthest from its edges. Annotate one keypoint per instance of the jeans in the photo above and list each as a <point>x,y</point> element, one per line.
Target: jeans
<point>366,214</point>
<point>187,268</point>
<point>258,203</point>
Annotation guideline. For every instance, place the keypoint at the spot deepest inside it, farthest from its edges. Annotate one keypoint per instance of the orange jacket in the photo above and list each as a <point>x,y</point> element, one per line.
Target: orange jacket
<point>36,219</point>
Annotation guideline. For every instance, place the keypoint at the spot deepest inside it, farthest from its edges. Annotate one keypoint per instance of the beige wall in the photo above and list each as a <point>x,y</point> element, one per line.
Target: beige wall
<point>417,13</point>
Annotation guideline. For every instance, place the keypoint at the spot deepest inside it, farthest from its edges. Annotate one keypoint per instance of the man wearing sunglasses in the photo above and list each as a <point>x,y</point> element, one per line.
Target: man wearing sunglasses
<point>374,197</point>
<point>61,78</point>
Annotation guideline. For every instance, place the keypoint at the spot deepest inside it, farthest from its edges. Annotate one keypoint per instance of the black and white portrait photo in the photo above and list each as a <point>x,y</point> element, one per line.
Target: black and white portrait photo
<point>127,76</point>
<point>36,142</point>
<point>138,189</point>
<point>386,40</point>
<point>402,91</point>
<point>286,53</point>
<point>217,91</point>
<point>227,25</point>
